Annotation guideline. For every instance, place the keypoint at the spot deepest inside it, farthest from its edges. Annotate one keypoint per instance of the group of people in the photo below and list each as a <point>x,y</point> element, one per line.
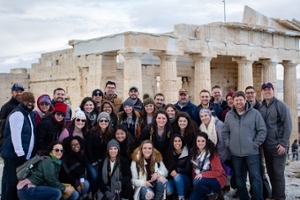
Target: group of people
<point>144,149</point>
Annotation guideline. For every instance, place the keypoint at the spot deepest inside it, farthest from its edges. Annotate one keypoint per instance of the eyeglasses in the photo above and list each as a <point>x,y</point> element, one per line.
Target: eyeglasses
<point>58,150</point>
<point>111,88</point>
<point>60,114</point>
<point>103,121</point>
<point>78,120</point>
<point>98,95</point>
<point>249,92</point>
<point>44,104</point>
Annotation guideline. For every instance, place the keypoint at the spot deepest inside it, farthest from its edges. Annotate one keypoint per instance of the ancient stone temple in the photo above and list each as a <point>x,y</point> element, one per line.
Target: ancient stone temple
<point>233,55</point>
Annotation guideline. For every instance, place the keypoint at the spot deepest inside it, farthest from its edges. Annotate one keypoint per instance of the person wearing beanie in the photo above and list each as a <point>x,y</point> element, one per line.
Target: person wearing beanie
<point>133,96</point>
<point>18,146</point>
<point>229,101</point>
<point>89,107</point>
<point>43,106</point>
<point>114,174</point>
<point>77,127</point>
<point>130,118</point>
<point>50,127</point>
<point>97,96</point>
<point>96,146</point>
<point>148,111</point>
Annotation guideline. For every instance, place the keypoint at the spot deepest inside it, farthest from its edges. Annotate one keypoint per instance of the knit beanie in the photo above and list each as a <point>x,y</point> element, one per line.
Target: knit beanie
<point>103,115</point>
<point>60,107</point>
<point>113,143</point>
<point>79,113</point>
<point>148,100</point>
<point>27,96</point>
<point>128,102</point>
<point>205,110</point>
<point>230,94</point>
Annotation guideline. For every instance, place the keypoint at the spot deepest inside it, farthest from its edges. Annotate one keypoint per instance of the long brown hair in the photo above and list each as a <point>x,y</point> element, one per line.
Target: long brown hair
<point>141,162</point>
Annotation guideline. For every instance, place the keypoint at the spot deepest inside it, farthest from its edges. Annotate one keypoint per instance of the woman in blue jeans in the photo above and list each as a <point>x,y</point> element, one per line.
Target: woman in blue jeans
<point>208,173</point>
<point>43,182</point>
<point>178,163</point>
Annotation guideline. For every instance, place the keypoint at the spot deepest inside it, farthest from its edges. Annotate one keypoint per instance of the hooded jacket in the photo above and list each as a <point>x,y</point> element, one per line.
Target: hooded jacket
<point>138,178</point>
<point>244,134</point>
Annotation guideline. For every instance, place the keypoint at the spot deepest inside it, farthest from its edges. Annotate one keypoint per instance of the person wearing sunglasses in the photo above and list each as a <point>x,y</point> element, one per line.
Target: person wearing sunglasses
<point>43,107</point>
<point>77,127</point>
<point>95,150</point>
<point>43,182</point>
<point>109,108</point>
<point>51,126</point>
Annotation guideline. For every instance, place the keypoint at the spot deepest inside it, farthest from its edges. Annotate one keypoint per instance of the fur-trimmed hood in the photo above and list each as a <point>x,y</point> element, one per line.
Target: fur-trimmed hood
<point>135,156</point>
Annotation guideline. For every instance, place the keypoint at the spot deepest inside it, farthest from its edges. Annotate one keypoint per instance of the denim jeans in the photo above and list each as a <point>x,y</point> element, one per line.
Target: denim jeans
<point>75,195</point>
<point>39,192</point>
<point>92,174</point>
<point>9,180</point>
<point>178,184</point>
<point>159,190</point>
<point>204,187</point>
<point>252,164</point>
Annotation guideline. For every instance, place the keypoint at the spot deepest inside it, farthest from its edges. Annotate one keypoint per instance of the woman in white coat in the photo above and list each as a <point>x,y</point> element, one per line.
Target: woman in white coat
<point>148,172</point>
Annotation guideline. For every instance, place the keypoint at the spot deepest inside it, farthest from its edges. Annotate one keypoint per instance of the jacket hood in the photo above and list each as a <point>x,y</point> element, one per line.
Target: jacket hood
<point>135,156</point>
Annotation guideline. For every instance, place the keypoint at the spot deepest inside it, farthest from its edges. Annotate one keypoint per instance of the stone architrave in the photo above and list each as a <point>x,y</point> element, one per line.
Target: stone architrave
<point>132,69</point>
<point>202,74</point>
<point>269,72</point>
<point>245,72</point>
<point>290,94</point>
<point>168,75</point>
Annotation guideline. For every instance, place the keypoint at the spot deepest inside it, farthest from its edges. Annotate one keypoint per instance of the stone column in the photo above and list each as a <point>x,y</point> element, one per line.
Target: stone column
<point>245,72</point>
<point>202,74</point>
<point>132,69</point>
<point>269,72</point>
<point>168,75</point>
<point>290,94</point>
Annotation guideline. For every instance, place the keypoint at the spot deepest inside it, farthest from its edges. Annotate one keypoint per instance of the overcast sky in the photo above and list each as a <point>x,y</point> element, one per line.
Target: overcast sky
<point>31,27</point>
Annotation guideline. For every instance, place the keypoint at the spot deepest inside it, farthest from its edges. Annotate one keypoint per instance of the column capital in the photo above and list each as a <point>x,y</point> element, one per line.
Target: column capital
<point>202,56</point>
<point>244,59</point>
<point>168,53</point>
<point>289,63</point>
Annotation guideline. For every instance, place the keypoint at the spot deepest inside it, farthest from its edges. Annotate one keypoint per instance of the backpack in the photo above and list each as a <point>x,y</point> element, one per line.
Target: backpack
<point>24,170</point>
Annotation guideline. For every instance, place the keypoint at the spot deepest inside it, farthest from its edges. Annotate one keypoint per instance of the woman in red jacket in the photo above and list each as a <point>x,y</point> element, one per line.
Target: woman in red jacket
<point>208,173</point>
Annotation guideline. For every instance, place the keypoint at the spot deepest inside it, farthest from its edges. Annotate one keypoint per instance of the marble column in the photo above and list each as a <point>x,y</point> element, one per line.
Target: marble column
<point>269,72</point>
<point>168,75</point>
<point>290,94</point>
<point>132,70</point>
<point>202,74</point>
<point>245,73</point>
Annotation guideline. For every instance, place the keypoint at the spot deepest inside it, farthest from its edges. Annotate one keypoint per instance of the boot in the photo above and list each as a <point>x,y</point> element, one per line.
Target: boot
<point>159,196</point>
<point>170,197</point>
<point>213,196</point>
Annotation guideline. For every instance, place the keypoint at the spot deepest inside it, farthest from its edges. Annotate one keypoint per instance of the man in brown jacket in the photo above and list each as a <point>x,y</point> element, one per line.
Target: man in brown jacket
<point>110,95</point>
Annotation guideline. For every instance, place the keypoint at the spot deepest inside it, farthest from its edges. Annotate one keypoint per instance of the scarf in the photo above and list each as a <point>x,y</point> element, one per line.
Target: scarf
<point>210,130</point>
<point>202,162</point>
<point>114,176</point>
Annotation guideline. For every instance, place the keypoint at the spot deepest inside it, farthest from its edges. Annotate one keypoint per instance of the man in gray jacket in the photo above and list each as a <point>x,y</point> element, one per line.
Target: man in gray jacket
<point>244,131</point>
<point>277,117</point>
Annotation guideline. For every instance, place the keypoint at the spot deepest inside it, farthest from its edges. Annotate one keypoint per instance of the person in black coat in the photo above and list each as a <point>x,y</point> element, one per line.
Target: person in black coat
<point>177,161</point>
<point>51,126</point>
<point>159,131</point>
<point>114,179</point>
<point>73,166</point>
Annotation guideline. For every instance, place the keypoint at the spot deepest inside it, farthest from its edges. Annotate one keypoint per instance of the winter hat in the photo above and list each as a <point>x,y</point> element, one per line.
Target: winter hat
<point>230,94</point>
<point>79,113</point>
<point>113,143</point>
<point>103,115</point>
<point>148,100</point>
<point>128,102</point>
<point>60,107</point>
<point>27,96</point>
<point>97,91</point>
<point>44,98</point>
<point>205,110</point>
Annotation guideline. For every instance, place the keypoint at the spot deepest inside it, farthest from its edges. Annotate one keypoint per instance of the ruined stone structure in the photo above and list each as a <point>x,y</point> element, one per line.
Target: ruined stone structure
<point>233,55</point>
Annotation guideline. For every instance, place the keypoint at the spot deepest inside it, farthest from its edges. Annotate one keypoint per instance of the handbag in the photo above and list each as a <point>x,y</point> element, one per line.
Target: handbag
<point>24,170</point>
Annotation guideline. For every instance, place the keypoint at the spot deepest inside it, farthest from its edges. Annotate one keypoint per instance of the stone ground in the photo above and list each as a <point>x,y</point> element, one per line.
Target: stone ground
<point>292,181</point>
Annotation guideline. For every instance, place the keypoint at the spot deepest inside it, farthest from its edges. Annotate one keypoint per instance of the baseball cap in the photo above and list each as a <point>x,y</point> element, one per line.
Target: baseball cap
<point>17,86</point>
<point>97,91</point>
<point>267,84</point>
<point>183,91</point>
<point>133,88</point>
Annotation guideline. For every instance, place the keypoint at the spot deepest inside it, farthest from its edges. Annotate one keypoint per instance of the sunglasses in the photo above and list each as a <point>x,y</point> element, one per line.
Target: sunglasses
<point>103,121</point>
<point>44,104</point>
<point>98,95</point>
<point>57,150</point>
<point>78,120</point>
<point>60,114</point>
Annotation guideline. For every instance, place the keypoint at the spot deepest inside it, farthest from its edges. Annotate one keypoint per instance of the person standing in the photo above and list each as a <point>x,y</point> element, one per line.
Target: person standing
<point>18,146</point>
<point>59,96</point>
<point>110,95</point>
<point>251,97</point>
<point>97,96</point>
<point>244,131</point>
<point>134,96</point>
<point>159,100</point>
<point>277,117</point>
<point>43,107</point>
